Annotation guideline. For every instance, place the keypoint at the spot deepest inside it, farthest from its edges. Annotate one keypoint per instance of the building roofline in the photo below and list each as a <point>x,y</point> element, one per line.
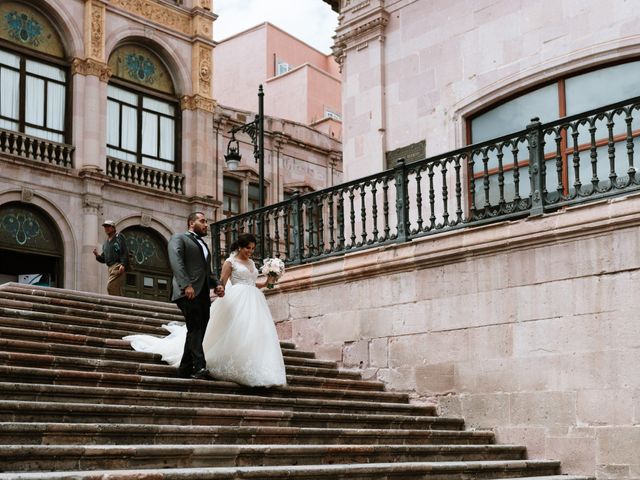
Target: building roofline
<point>266,25</point>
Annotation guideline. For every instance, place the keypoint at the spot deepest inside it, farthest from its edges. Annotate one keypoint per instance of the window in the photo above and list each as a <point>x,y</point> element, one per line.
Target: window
<point>34,76</point>
<point>254,196</point>
<point>282,68</point>
<point>141,129</point>
<point>231,196</point>
<point>565,97</point>
<point>331,114</point>
<point>143,113</point>
<point>33,96</point>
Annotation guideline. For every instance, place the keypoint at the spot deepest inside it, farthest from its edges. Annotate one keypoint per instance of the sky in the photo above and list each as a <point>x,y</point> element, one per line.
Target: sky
<point>312,21</point>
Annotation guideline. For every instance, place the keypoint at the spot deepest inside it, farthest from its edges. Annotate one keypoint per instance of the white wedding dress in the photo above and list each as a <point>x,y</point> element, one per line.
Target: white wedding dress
<point>240,344</point>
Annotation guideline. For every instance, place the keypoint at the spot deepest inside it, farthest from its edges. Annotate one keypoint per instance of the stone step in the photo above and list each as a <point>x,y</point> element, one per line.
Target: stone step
<point>123,396</point>
<point>90,299</point>
<point>75,350</point>
<point>40,411</point>
<point>76,397</point>
<point>95,457</point>
<point>16,374</point>
<point>115,327</point>
<point>370,471</point>
<point>48,332</point>
<point>50,433</point>
<point>132,367</point>
<point>155,313</point>
<point>160,311</point>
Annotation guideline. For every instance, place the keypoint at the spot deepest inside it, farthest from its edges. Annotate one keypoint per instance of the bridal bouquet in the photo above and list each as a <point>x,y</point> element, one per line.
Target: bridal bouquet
<point>273,268</point>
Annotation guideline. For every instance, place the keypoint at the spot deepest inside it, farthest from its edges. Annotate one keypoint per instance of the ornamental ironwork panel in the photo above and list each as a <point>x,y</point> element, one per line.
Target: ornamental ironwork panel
<point>146,249</point>
<point>24,228</point>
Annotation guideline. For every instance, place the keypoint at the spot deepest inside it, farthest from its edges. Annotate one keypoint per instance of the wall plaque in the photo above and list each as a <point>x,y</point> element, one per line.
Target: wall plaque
<point>410,153</point>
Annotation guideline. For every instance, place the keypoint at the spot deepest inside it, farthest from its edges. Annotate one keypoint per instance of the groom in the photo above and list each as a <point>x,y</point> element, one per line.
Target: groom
<point>192,279</point>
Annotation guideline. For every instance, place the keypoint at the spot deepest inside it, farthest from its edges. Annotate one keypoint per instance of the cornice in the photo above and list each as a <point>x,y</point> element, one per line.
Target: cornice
<point>195,23</point>
<point>357,32</point>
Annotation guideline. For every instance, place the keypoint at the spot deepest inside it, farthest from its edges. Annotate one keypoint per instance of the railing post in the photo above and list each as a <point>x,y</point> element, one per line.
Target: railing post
<point>215,247</point>
<point>298,228</point>
<point>535,139</point>
<point>402,210</point>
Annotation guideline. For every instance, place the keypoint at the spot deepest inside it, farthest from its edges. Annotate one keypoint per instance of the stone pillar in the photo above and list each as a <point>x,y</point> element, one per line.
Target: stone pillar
<point>90,77</point>
<point>198,142</point>
<point>360,37</point>
<point>94,274</point>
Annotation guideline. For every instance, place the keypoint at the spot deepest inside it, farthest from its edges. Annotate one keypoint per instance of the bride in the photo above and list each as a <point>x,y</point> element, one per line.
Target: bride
<point>240,343</point>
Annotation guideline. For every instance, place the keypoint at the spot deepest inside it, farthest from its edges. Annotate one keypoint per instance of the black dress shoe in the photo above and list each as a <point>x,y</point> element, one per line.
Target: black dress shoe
<point>202,374</point>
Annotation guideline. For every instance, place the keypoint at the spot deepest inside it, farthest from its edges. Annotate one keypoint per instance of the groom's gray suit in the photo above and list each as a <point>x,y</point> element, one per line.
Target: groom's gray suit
<point>190,267</point>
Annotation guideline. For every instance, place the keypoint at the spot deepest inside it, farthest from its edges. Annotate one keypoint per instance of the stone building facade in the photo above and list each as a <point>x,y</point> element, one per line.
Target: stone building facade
<point>107,112</point>
<point>526,326</point>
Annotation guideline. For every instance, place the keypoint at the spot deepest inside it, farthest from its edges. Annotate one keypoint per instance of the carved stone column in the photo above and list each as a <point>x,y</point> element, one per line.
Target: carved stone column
<point>198,108</point>
<point>90,77</point>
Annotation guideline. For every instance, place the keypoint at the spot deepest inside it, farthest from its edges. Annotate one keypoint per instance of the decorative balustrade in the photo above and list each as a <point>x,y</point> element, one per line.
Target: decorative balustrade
<point>541,168</point>
<point>37,149</point>
<point>142,175</point>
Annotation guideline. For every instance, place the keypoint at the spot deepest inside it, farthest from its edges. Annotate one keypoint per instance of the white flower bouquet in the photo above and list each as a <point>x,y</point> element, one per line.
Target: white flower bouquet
<point>273,268</point>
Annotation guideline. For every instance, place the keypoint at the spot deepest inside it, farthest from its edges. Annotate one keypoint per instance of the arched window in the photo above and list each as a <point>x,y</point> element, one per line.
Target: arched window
<point>34,77</point>
<point>143,116</point>
<point>564,97</point>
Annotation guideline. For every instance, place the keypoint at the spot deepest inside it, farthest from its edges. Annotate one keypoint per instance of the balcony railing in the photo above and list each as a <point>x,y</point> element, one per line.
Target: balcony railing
<point>37,149</point>
<point>541,168</point>
<point>142,175</point>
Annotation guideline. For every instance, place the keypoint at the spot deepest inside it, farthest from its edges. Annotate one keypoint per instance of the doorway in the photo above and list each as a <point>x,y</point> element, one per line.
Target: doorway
<point>30,246</point>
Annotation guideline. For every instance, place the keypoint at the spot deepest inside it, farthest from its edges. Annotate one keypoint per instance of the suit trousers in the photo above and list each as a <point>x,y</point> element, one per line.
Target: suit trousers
<point>196,316</point>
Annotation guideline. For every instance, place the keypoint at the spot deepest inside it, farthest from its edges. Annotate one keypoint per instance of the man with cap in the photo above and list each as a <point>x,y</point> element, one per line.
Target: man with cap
<point>115,255</point>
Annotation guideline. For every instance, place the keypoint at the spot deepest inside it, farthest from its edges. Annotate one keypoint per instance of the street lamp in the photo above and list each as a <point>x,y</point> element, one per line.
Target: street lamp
<point>255,130</point>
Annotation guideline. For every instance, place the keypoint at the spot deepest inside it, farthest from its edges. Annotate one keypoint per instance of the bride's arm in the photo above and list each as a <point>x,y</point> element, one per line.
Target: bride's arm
<point>226,273</point>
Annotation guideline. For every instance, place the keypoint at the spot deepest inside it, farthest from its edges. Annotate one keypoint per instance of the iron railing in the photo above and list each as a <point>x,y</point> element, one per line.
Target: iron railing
<point>37,149</point>
<point>544,167</point>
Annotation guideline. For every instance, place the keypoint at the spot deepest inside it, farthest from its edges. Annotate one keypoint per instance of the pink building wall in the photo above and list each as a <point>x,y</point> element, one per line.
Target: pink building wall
<point>250,58</point>
<point>414,70</point>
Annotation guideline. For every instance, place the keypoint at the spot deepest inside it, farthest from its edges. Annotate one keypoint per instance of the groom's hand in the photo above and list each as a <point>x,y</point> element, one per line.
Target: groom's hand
<point>189,292</point>
<point>219,290</point>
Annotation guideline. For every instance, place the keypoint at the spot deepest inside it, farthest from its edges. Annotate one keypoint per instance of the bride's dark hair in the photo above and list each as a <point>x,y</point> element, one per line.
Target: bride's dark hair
<point>244,240</point>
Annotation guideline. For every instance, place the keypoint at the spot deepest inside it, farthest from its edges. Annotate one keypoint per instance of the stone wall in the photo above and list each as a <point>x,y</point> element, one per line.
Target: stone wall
<point>529,328</point>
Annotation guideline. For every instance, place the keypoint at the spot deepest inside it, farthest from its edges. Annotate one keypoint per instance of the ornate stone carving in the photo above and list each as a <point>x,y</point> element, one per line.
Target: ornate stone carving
<point>26,195</point>
<point>197,102</point>
<point>88,66</point>
<point>202,26</point>
<point>158,13</point>
<point>206,4</point>
<point>204,70</point>
<point>95,30</point>
<point>145,220</point>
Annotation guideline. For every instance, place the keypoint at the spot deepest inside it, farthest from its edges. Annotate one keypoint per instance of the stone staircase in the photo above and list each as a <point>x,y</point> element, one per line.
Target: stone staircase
<point>78,403</point>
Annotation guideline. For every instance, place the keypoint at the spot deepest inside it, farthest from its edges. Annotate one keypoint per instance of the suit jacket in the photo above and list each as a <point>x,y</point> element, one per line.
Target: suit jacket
<point>189,265</point>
